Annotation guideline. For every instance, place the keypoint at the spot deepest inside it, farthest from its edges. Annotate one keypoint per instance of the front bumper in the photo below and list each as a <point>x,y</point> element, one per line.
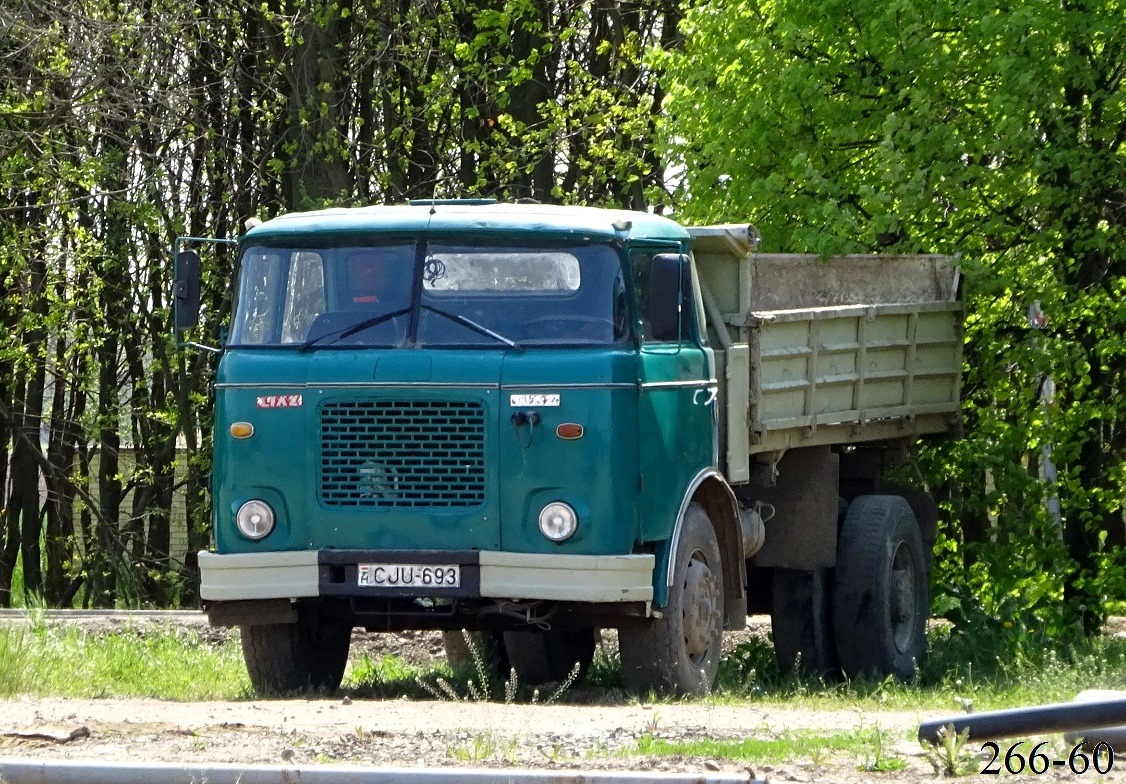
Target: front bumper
<point>485,574</point>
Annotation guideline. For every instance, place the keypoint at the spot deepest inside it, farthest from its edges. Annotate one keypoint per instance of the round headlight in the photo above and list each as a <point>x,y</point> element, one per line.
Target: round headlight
<point>255,519</point>
<point>558,521</point>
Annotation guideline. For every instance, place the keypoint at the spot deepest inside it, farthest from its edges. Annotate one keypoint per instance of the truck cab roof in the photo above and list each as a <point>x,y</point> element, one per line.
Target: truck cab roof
<point>473,216</point>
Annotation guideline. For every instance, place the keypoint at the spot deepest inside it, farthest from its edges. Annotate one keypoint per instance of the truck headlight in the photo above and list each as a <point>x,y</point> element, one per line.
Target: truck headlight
<point>255,519</point>
<point>558,521</point>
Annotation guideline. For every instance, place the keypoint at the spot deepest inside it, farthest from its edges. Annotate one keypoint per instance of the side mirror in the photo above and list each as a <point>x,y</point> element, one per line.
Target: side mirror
<point>185,291</point>
<point>668,283</point>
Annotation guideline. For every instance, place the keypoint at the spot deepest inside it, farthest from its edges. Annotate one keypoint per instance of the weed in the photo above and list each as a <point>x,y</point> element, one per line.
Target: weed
<point>486,686</point>
<point>485,746</point>
<point>818,755</point>
<point>560,689</point>
<point>441,690</point>
<point>605,670</point>
<point>880,759</point>
<point>552,754</point>
<point>950,757</point>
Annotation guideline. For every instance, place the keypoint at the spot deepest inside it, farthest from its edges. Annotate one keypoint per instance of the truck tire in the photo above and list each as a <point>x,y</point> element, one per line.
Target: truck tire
<point>881,592</point>
<point>679,652</point>
<point>801,621</point>
<point>284,658</point>
<point>549,656</point>
<point>489,646</point>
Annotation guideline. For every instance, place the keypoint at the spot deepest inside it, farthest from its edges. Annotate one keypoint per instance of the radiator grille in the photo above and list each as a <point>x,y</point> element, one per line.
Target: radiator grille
<point>399,453</point>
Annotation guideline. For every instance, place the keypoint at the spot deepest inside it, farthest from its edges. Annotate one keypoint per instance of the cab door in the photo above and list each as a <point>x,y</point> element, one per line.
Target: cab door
<point>677,400</point>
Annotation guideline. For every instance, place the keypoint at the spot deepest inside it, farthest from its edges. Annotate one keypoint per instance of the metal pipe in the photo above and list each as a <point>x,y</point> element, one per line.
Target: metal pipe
<point>715,316</point>
<point>24,771</point>
<point>1115,736</point>
<point>1059,717</point>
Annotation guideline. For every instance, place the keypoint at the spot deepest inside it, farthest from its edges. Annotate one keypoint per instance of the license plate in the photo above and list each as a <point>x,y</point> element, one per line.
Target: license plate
<point>409,575</point>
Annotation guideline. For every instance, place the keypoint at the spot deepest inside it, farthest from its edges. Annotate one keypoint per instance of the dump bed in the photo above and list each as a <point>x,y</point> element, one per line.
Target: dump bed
<point>837,350</point>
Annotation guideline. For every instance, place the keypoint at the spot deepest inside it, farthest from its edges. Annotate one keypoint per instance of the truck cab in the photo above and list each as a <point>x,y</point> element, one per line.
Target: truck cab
<point>455,416</point>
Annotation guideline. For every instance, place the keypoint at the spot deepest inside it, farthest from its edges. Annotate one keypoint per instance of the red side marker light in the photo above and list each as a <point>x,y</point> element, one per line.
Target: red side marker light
<point>569,431</point>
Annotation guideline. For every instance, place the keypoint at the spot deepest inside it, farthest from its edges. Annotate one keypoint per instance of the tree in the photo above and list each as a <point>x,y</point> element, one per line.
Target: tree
<point>124,125</point>
<point>993,131</point>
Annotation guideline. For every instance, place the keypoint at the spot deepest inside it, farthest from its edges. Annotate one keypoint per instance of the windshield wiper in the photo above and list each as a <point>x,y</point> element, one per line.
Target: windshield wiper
<point>473,325</point>
<point>347,332</point>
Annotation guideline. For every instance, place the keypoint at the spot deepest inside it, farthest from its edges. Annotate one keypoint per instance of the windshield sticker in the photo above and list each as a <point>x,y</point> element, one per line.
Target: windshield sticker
<point>524,401</point>
<point>280,401</point>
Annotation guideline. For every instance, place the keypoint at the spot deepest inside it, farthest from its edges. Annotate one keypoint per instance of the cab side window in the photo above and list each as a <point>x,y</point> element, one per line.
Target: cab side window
<point>640,260</point>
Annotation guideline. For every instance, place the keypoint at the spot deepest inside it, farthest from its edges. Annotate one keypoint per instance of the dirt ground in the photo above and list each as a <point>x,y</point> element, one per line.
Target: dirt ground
<point>405,733</point>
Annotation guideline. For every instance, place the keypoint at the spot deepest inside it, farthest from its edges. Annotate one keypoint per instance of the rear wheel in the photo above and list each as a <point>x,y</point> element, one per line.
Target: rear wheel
<point>801,620</point>
<point>680,651</point>
<point>283,658</point>
<point>549,656</point>
<point>880,589</point>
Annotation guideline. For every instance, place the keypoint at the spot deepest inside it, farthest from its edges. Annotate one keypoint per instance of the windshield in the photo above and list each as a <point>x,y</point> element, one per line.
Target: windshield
<point>468,295</point>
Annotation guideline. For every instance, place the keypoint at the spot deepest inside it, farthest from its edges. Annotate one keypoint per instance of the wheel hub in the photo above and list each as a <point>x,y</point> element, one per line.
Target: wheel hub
<point>701,609</point>
<point>904,604</point>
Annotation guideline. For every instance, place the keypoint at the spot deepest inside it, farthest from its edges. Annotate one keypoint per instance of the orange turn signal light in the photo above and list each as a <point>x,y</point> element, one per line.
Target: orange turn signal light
<point>569,431</point>
<point>242,430</point>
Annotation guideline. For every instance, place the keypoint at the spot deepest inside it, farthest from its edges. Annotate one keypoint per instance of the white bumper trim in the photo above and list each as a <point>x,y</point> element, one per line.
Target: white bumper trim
<point>285,575</point>
<point>569,578</point>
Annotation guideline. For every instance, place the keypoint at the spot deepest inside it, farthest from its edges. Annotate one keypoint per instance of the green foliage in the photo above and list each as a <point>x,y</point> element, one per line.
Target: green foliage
<point>959,128</point>
<point>120,131</point>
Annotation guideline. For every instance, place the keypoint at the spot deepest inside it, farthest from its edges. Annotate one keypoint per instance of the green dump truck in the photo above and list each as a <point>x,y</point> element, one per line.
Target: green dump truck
<point>536,422</point>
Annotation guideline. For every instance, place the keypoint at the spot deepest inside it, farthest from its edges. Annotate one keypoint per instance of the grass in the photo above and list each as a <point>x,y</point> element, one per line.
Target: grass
<point>868,746</point>
<point>39,659</point>
<point>42,660</point>
<point>993,676</point>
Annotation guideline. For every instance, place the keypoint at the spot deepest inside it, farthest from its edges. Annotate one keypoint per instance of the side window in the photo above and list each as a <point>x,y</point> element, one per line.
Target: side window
<point>257,320</point>
<point>639,262</point>
<point>620,307</point>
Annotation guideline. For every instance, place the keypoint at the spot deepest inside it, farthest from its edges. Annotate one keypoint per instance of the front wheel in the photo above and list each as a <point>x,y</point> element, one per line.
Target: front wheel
<point>880,589</point>
<point>550,656</point>
<point>283,658</point>
<point>680,651</point>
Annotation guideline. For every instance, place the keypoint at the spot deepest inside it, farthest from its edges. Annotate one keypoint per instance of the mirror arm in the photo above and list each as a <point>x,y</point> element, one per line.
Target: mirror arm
<point>201,347</point>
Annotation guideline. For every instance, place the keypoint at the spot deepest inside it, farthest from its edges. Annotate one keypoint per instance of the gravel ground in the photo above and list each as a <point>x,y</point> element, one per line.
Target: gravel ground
<point>407,733</point>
